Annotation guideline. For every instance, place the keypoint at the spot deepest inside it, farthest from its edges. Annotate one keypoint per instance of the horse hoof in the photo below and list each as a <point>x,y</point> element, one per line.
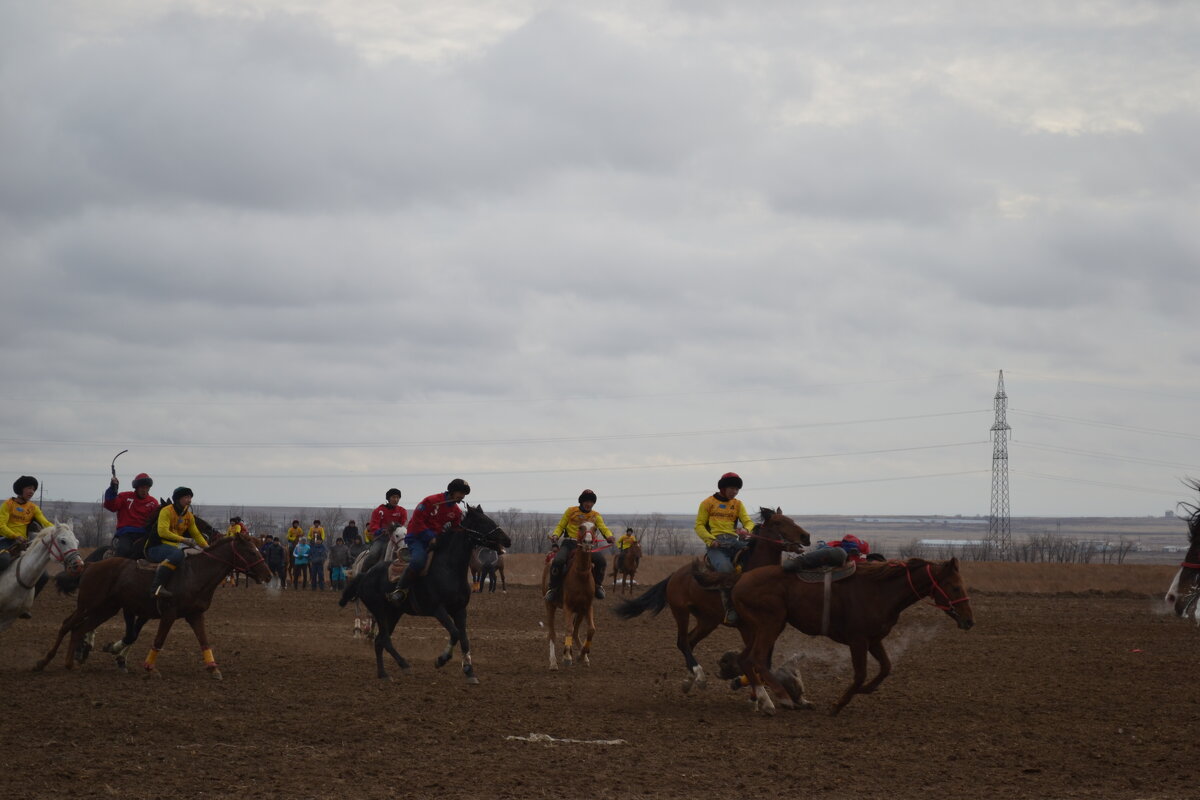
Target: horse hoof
<point>217,676</point>
<point>441,661</point>
<point>805,705</point>
<point>153,673</point>
<point>472,681</point>
<point>39,666</point>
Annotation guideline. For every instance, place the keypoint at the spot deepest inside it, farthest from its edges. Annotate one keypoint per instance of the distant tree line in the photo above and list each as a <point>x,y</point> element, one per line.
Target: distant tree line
<point>1043,547</point>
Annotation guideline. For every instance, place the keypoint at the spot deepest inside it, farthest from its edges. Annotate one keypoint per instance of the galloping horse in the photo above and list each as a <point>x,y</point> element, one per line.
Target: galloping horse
<point>443,592</point>
<point>575,599</point>
<point>687,598</point>
<point>1184,594</point>
<point>121,584</point>
<point>626,563</point>
<point>19,582</point>
<point>486,564</point>
<point>861,611</point>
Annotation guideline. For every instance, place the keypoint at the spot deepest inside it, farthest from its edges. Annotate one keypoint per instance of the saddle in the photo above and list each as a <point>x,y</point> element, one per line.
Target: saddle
<point>151,566</point>
<point>398,564</point>
<point>818,575</point>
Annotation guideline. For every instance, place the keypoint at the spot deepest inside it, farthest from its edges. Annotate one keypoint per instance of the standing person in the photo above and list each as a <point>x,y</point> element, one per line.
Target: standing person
<point>387,516</point>
<point>569,526</point>
<point>716,525</point>
<point>133,511</point>
<point>339,560</point>
<point>300,563</point>
<point>317,554</point>
<point>351,534</point>
<point>176,527</point>
<point>16,513</point>
<point>316,533</point>
<point>431,516</point>
<point>276,558</point>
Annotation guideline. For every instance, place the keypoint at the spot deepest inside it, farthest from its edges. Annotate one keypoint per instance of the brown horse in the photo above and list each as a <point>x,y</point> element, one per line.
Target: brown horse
<point>862,610</point>
<point>626,563</point>
<point>575,599</point>
<point>120,584</point>
<point>687,598</point>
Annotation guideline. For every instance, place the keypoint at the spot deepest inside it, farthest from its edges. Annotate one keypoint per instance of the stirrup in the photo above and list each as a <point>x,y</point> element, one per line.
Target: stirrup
<point>397,595</point>
<point>163,592</point>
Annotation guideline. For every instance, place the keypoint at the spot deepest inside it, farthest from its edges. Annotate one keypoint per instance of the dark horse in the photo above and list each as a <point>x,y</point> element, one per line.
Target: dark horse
<point>443,592</point>
<point>862,609</point>
<point>121,584</point>
<point>1184,594</point>
<point>687,598</point>
<point>626,563</point>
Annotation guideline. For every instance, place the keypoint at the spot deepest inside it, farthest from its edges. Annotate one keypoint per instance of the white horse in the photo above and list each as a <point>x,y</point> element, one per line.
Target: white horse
<point>57,543</point>
<point>1184,594</point>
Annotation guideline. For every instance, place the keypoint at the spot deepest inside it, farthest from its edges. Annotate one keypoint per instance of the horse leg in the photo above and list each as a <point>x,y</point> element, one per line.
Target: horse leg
<point>686,642</point>
<point>468,668</point>
<point>383,641</point>
<point>503,581</point>
<point>73,619</point>
<point>875,648</point>
<point>858,657</point>
<point>591,631</point>
<point>442,616</point>
<point>160,638</point>
<point>210,663</point>
<point>760,634</point>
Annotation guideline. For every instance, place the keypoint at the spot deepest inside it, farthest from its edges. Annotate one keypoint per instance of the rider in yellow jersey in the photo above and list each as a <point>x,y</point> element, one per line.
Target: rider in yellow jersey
<point>716,525</point>
<point>624,543</point>
<point>15,515</point>
<point>567,529</point>
<point>176,527</point>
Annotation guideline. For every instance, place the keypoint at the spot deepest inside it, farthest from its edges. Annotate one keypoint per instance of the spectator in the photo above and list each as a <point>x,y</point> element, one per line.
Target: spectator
<point>317,555</point>
<point>339,559</point>
<point>276,558</point>
<point>300,563</point>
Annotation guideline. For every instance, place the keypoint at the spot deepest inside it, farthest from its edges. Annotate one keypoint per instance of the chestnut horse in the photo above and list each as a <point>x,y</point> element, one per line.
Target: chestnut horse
<point>626,563</point>
<point>1184,594</point>
<point>687,598</point>
<point>576,599</point>
<point>862,610</point>
<point>121,584</point>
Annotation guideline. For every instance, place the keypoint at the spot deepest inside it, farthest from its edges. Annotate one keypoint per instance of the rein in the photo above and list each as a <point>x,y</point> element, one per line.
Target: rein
<point>949,607</point>
<point>1189,565</point>
<point>247,565</point>
<point>56,552</point>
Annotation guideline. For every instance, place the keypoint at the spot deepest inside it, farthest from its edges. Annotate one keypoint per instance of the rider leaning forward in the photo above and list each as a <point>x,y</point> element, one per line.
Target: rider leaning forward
<point>716,525</point>
<point>569,526</point>
<point>431,516</point>
<point>133,511</point>
<point>176,527</point>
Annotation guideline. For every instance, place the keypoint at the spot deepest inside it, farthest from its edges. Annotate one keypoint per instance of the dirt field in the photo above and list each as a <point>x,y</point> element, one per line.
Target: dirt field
<point>1058,692</point>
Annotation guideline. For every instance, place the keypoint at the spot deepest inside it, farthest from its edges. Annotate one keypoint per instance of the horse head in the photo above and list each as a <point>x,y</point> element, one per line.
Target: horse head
<point>482,530</point>
<point>59,539</point>
<point>244,556</point>
<point>1185,588</point>
<point>943,585</point>
<point>783,528</point>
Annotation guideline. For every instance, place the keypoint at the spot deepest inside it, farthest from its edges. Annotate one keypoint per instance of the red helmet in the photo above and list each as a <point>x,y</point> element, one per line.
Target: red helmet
<point>729,479</point>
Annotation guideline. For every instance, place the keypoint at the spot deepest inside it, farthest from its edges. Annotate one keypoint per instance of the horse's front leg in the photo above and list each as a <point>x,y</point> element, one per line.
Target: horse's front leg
<point>759,634</point>
<point>210,663</point>
<point>551,636</point>
<point>885,666</point>
<point>858,658</point>
<point>460,622</point>
<point>442,616</point>
<point>160,638</point>
<point>591,631</point>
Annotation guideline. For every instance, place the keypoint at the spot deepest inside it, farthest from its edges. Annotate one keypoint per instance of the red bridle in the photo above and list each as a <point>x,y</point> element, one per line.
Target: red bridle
<point>243,565</point>
<point>1189,565</point>
<point>934,585</point>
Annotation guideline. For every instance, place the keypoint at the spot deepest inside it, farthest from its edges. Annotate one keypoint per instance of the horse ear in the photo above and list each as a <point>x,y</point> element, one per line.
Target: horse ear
<point>778,509</point>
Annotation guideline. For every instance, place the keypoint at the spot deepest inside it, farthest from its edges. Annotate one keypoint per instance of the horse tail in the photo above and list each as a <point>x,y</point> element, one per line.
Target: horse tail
<point>653,600</point>
<point>351,591</point>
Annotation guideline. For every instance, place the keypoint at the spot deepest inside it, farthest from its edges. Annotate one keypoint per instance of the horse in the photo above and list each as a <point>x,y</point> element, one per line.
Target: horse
<point>575,599</point>
<point>858,611</point>
<point>121,584</point>
<point>687,598</point>
<point>18,583</point>
<point>1184,593</point>
<point>486,565</point>
<point>441,592</point>
<point>626,563</point>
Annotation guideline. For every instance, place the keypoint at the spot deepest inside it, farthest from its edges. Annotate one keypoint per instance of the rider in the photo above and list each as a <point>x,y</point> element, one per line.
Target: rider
<point>572,519</point>
<point>431,516</point>
<point>857,550</point>
<point>133,512</point>
<point>624,543</point>
<point>716,525</point>
<point>15,515</point>
<point>236,526</point>
<point>176,525</point>
<point>317,532</point>
<point>387,516</point>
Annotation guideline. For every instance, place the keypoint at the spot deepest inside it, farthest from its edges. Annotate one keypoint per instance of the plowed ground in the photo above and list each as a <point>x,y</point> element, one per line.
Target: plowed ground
<point>1049,696</point>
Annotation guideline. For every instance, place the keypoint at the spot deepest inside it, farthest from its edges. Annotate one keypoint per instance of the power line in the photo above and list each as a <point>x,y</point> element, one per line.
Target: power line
<point>1110,456</point>
<point>1109,425</point>
<point>1087,482</point>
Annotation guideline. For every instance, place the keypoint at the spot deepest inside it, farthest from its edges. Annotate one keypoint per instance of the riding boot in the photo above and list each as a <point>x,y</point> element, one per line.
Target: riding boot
<point>731,617</point>
<point>598,571</point>
<point>555,589</point>
<point>400,588</point>
<point>161,576</point>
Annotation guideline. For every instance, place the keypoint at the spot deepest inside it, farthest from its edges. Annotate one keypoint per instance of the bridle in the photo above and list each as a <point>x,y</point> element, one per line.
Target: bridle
<point>56,552</point>
<point>949,606</point>
<point>242,564</point>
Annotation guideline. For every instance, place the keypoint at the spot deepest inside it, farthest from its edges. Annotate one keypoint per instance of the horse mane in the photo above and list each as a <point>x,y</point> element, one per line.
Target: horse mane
<point>886,570</point>
<point>1193,512</point>
<point>765,514</point>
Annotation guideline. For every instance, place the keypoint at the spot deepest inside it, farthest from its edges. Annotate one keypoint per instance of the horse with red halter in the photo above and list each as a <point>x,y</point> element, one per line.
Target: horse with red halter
<point>576,599</point>
<point>626,564</point>
<point>1184,594</point>
<point>121,584</point>
<point>858,611</point>
<point>687,598</point>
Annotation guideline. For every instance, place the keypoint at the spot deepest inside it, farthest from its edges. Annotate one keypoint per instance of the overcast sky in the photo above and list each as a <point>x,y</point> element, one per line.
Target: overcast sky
<point>295,252</point>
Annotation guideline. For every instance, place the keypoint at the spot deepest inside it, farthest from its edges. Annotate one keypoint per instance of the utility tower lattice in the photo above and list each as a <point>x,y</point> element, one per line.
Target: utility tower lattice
<point>999,522</point>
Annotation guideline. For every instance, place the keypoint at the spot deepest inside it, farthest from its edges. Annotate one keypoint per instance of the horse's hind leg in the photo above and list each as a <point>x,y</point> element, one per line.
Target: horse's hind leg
<point>160,638</point>
<point>210,663</point>
<point>383,641</point>
<point>885,666</point>
<point>686,642</point>
<point>68,624</point>
<point>591,631</point>
<point>460,622</point>
<point>858,658</point>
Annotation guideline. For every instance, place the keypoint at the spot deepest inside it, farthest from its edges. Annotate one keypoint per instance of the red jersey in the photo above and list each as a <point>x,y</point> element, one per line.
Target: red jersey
<point>132,511</point>
<point>434,513</point>
<point>384,516</point>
